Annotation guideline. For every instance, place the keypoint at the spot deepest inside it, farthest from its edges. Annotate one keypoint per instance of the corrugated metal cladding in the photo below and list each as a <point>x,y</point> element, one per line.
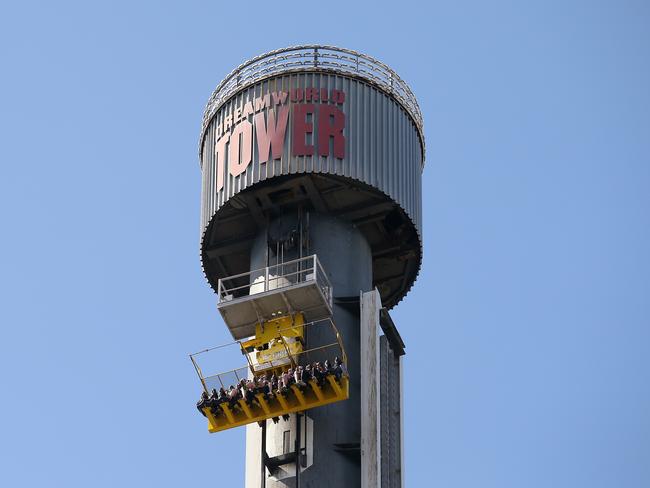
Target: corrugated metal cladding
<point>383,148</point>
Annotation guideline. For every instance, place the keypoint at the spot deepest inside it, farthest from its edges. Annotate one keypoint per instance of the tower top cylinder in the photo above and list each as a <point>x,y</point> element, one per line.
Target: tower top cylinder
<point>320,129</point>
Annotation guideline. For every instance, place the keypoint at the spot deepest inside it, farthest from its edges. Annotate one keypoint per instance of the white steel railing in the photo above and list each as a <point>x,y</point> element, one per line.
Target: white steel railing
<point>275,277</point>
<point>313,58</point>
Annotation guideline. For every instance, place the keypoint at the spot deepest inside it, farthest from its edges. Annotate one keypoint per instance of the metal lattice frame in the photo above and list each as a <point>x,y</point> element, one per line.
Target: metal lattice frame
<point>313,58</point>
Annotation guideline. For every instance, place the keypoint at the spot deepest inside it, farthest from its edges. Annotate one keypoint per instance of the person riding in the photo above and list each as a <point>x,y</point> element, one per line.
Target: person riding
<point>297,376</point>
<point>307,374</point>
<point>317,372</point>
<point>233,395</point>
<point>339,368</point>
<point>245,392</point>
<point>223,396</point>
<point>202,403</point>
<point>214,401</point>
<point>328,368</point>
<point>285,380</point>
<point>260,384</point>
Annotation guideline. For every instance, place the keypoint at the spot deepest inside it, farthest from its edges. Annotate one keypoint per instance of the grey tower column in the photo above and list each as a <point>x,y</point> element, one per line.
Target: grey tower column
<point>332,432</point>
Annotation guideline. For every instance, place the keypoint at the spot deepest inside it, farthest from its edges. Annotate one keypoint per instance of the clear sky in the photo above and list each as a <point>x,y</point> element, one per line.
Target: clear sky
<point>527,332</point>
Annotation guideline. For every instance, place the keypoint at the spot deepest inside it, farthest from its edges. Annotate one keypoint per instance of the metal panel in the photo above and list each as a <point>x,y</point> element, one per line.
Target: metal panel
<point>391,416</point>
<point>384,151</point>
<point>371,461</point>
<point>382,148</point>
<point>382,145</point>
<point>312,57</point>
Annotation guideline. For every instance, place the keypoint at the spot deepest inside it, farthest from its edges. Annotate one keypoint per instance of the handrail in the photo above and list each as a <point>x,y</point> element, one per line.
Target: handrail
<point>291,357</point>
<point>219,375</point>
<point>269,279</point>
<point>285,263</point>
<point>315,58</point>
<point>314,267</point>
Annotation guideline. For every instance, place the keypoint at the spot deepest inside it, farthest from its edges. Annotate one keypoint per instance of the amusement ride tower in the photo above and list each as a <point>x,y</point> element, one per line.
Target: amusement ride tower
<point>311,161</point>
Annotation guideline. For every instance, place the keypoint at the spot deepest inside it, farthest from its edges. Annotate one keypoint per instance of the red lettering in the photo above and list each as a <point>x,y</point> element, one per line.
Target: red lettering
<point>311,94</point>
<point>301,128</point>
<point>296,94</point>
<point>279,97</point>
<point>331,122</point>
<point>338,96</point>
<point>271,135</point>
<point>248,109</point>
<point>240,148</point>
<point>323,95</point>
<point>262,102</point>
<point>219,156</point>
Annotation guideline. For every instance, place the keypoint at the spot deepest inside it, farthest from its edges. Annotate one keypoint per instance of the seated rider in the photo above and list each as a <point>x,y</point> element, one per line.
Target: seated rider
<point>306,374</point>
<point>247,391</point>
<point>223,396</point>
<point>328,368</point>
<point>260,384</point>
<point>317,372</point>
<point>269,387</point>
<point>285,381</point>
<point>214,401</point>
<point>339,369</point>
<point>202,403</point>
<point>233,395</point>
<point>298,377</point>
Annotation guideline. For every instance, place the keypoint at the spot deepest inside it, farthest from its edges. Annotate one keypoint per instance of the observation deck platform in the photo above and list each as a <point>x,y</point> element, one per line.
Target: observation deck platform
<point>298,286</point>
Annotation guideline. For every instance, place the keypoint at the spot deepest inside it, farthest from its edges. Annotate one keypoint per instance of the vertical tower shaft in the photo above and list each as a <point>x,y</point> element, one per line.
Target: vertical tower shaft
<point>334,430</point>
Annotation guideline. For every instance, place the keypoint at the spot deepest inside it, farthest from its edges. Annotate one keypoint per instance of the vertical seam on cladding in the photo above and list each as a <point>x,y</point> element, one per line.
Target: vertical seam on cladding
<point>380,146</point>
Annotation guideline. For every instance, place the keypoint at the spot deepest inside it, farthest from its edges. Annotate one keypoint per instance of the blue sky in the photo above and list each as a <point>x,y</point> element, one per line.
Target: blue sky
<point>528,331</point>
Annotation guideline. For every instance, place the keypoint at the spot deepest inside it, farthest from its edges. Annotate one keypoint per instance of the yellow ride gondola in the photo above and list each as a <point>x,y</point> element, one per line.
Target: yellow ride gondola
<point>278,346</point>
